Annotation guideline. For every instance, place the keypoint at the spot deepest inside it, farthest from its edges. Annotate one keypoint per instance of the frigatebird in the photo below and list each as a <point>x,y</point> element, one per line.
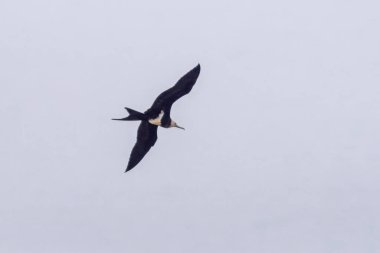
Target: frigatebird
<point>158,115</point>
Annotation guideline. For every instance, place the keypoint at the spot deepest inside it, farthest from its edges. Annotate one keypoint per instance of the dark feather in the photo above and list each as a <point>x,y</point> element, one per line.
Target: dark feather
<point>146,138</point>
<point>165,100</point>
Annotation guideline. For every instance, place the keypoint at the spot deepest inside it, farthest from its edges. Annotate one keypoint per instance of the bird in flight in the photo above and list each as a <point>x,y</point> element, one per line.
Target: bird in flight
<point>158,115</point>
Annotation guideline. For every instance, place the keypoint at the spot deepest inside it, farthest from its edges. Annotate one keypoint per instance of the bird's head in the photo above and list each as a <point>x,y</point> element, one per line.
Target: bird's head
<point>174,124</point>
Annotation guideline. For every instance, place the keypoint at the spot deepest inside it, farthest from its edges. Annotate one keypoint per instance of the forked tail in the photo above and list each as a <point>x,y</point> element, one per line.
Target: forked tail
<point>133,115</point>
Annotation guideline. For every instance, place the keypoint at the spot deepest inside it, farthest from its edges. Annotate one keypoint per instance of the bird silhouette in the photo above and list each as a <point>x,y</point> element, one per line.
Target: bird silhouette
<point>158,115</point>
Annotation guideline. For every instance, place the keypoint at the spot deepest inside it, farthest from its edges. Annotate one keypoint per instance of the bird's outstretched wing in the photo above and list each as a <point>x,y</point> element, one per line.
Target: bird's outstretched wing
<point>184,85</point>
<point>146,138</point>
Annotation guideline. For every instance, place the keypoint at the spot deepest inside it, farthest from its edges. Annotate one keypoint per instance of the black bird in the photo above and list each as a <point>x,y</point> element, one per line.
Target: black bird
<point>158,115</point>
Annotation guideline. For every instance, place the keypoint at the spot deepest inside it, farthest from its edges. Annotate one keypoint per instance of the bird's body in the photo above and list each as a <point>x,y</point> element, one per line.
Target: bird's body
<point>158,115</point>
<point>157,121</point>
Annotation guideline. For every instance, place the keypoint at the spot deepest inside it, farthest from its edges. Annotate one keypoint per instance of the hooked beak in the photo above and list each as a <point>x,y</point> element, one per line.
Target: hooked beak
<point>179,127</point>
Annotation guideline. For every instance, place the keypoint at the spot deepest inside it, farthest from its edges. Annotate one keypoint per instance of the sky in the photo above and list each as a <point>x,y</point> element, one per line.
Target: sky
<point>281,147</point>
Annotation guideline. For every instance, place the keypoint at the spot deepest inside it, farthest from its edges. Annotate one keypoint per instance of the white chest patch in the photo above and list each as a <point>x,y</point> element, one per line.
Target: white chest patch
<point>157,121</point>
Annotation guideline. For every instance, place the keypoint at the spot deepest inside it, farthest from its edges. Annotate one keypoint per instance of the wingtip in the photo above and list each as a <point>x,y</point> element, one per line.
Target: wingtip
<point>129,167</point>
<point>197,69</point>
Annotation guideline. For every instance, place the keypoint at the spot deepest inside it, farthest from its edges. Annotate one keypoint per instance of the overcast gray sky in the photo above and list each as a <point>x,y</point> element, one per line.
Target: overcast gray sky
<point>281,148</point>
